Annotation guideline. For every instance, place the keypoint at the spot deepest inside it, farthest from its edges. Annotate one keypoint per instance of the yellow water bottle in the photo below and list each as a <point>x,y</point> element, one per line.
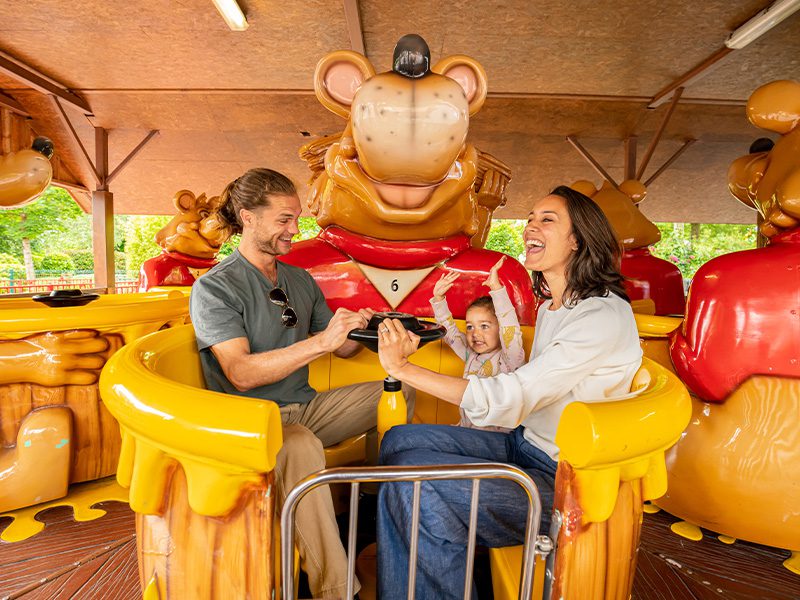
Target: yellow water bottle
<point>391,407</point>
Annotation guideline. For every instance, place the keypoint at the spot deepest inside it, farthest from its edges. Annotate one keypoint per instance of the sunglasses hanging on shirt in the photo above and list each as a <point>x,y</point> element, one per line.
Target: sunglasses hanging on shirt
<point>288,316</point>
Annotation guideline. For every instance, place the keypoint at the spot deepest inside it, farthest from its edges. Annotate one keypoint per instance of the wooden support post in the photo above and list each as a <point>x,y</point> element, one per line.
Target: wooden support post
<point>657,137</point>
<point>352,19</point>
<point>103,218</point>
<point>630,157</point>
<point>590,159</point>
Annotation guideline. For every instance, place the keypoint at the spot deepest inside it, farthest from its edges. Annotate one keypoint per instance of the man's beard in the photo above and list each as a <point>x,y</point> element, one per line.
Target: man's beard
<point>269,247</point>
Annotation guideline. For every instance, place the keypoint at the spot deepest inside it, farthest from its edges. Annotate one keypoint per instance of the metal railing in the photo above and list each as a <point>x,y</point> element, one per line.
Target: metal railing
<point>534,544</point>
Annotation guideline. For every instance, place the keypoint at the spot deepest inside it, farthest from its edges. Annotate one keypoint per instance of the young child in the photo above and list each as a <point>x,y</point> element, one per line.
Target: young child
<point>493,341</point>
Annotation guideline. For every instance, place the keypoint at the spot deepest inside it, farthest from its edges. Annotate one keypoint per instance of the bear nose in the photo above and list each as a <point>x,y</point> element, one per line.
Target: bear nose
<point>412,57</point>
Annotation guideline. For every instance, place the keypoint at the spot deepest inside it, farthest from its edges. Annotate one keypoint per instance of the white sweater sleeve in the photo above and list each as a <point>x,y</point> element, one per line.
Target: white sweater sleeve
<point>579,347</point>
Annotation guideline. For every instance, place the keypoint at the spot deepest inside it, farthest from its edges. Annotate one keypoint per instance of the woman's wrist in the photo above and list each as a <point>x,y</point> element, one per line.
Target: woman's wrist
<point>399,370</point>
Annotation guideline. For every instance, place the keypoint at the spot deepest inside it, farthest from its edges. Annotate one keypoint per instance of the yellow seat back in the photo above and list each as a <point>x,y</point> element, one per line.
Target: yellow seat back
<point>604,446</point>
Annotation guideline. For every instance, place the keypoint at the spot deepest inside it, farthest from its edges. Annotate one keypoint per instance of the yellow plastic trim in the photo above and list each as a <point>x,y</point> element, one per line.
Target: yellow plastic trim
<point>624,439</point>
<point>22,316</point>
<point>651,326</point>
<point>223,442</point>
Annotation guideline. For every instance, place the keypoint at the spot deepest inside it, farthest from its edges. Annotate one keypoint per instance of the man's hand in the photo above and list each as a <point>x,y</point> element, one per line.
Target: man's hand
<point>395,345</point>
<point>444,284</point>
<point>342,323</point>
<point>493,280</point>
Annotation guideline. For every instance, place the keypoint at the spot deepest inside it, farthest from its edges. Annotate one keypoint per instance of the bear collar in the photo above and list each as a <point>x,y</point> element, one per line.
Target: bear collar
<point>394,255</point>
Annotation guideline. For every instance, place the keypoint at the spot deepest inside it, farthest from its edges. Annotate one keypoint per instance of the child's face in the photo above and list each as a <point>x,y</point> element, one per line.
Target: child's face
<point>483,330</point>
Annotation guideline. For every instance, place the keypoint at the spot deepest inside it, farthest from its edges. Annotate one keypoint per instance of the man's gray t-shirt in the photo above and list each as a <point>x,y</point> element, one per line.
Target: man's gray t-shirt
<point>232,301</point>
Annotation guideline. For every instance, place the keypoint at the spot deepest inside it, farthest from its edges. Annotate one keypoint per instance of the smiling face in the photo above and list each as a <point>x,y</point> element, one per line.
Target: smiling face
<point>273,227</point>
<point>483,330</point>
<point>548,236</point>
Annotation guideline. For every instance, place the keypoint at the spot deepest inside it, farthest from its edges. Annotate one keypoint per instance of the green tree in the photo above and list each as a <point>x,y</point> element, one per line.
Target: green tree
<point>140,244</point>
<point>689,246</point>
<point>19,227</point>
<point>505,235</point>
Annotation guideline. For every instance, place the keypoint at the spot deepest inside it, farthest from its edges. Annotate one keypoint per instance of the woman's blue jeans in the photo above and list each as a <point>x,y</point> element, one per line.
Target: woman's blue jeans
<point>445,505</point>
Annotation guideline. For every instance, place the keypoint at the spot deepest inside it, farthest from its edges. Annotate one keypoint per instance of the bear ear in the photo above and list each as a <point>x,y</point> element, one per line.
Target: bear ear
<point>337,78</point>
<point>634,189</point>
<point>775,106</point>
<point>184,200</point>
<point>585,187</point>
<point>469,74</point>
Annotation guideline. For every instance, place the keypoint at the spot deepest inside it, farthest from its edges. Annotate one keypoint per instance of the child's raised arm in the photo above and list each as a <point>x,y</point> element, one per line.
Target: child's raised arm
<point>453,336</point>
<point>510,331</point>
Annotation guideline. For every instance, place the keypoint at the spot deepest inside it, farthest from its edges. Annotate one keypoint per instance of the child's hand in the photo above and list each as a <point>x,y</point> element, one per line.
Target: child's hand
<point>493,281</point>
<point>442,286</point>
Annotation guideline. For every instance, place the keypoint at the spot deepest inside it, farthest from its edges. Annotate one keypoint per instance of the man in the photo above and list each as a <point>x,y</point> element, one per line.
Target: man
<point>253,315</point>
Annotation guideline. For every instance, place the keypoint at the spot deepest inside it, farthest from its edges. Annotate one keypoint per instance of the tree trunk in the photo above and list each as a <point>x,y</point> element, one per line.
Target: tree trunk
<point>27,257</point>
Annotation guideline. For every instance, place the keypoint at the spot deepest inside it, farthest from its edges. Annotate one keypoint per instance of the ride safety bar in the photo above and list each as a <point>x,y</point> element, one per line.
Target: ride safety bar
<point>417,474</point>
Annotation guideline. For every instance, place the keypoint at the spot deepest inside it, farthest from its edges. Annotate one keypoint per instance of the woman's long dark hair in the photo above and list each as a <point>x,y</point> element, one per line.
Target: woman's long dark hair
<point>593,269</point>
<point>251,191</point>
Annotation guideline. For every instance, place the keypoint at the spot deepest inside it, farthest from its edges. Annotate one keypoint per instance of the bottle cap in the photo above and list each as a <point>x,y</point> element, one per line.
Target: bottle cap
<point>391,385</point>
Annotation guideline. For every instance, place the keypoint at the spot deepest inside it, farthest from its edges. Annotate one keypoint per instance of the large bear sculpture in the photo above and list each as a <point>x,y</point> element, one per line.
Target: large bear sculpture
<point>737,467</point>
<point>401,195</point>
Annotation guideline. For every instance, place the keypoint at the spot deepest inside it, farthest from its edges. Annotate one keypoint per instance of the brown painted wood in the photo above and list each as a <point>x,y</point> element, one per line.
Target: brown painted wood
<point>64,542</point>
<point>668,566</point>
<point>26,75</point>
<point>673,567</point>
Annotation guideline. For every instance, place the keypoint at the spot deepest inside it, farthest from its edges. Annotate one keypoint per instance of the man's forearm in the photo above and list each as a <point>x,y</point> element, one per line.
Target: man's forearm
<point>348,349</point>
<point>264,368</point>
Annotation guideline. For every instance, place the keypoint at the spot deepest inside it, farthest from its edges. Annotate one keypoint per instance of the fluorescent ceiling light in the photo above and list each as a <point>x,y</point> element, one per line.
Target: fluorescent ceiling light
<point>232,14</point>
<point>761,23</point>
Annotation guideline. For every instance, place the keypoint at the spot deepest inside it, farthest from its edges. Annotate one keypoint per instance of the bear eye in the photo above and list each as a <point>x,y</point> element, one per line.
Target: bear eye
<point>204,214</point>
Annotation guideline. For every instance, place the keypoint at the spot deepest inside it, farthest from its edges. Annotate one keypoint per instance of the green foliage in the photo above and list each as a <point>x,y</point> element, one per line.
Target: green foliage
<point>228,247</point>
<point>83,260</point>
<point>120,264</point>
<point>505,235</point>
<point>9,265</point>
<point>689,252</point>
<point>9,259</point>
<point>53,212</point>
<point>140,233</point>
<point>308,228</point>
<point>57,263</point>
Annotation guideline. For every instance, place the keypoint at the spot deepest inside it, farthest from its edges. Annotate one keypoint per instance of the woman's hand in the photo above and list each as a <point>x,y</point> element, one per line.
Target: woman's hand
<point>493,281</point>
<point>444,284</point>
<point>395,345</point>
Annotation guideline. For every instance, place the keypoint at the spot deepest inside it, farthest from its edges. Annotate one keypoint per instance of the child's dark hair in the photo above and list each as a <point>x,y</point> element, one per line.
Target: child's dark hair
<point>483,302</point>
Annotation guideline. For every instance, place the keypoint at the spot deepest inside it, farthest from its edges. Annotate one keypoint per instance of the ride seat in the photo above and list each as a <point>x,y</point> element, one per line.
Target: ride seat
<point>611,461</point>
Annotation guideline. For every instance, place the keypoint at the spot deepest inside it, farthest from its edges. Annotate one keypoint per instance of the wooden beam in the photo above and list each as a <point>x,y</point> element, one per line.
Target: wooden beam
<point>75,138</point>
<point>590,159</point>
<point>657,137</point>
<point>630,157</point>
<point>669,161</point>
<point>69,186</point>
<point>12,105</point>
<point>103,218</point>
<point>352,19</point>
<point>39,82</point>
<point>691,76</point>
<point>130,157</point>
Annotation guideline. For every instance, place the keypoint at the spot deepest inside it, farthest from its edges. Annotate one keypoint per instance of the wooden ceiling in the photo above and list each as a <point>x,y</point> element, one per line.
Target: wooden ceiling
<point>226,101</point>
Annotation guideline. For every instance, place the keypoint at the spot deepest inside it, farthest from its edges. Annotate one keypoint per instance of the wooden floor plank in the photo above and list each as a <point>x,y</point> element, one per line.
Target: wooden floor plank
<point>97,560</point>
<point>111,575</point>
<point>62,543</point>
<point>708,569</point>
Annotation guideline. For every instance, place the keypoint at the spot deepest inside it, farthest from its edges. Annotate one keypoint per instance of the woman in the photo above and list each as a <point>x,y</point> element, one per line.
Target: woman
<point>586,347</point>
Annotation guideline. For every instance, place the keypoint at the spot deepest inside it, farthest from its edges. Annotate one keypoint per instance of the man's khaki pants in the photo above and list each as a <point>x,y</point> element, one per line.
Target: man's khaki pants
<point>331,417</point>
